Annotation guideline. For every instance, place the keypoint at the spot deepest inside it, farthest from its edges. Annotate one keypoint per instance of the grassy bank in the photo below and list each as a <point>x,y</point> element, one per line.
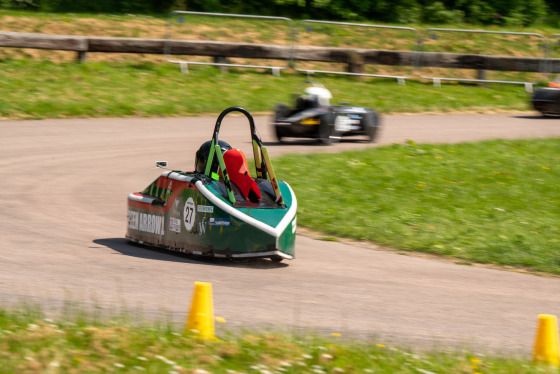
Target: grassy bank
<point>492,202</point>
<point>49,84</point>
<point>33,89</point>
<point>32,344</point>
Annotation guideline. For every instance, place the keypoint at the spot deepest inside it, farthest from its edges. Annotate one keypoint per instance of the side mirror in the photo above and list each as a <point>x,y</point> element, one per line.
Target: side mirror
<point>161,164</point>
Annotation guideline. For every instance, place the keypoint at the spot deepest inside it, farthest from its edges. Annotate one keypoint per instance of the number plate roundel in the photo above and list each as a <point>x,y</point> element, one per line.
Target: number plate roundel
<point>189,214</point>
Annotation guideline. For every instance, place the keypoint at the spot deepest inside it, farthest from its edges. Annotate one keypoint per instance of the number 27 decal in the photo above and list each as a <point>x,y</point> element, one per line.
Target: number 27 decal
<point>189,214</point>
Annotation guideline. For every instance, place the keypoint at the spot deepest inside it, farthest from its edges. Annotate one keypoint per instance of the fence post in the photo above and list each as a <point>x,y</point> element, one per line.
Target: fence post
<point>355,63</point>
<point>81,57</point>
<point>481,76</point>
<point>219,60</point>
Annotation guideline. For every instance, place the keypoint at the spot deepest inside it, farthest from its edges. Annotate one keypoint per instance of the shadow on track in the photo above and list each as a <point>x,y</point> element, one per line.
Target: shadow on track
<point>536,116</point>
<point>124,247</point>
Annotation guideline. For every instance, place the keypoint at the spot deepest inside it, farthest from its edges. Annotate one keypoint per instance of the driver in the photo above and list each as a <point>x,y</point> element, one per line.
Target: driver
<point>236,165</point>
<point>204,152</point>
<point>323,95</point>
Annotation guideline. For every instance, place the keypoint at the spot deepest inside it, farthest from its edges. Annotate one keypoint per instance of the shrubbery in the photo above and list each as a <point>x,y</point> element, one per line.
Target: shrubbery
<point>500,12</point>
<point>97,6</point>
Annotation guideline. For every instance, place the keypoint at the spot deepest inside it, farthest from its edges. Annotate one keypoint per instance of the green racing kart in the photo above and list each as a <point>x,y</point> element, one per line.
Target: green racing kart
<point>219,209</point>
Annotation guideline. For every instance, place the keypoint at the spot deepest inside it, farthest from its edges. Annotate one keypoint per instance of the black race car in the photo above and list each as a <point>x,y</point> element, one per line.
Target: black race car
<point>314,117</point>
<point>547,99</point>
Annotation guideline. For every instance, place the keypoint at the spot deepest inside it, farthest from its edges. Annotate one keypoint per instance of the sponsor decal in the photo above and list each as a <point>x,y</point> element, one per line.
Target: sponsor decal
<point>189,214</point>
<point>220,222</point>
<point>174,224</point>
<point>344,123</point>
<point>205,209</point>
<point>133,219</point>
<point>175,208</point>
<point>146,222</point>
<point>202,226</point>
<point>311,121</point>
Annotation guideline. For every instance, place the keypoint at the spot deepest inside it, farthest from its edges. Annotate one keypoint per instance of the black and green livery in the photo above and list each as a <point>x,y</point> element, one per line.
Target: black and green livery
<point>208,213</point>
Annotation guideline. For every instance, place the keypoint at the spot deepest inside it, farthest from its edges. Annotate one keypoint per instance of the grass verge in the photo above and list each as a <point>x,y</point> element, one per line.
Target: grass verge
<point>494,202</point>
<point>33,89</point>
<point>31,343</point>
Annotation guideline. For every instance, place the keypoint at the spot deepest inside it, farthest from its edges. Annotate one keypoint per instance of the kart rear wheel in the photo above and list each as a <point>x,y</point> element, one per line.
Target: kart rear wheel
<point>371,125</point>
<point>327,136</point>
<point>276,259</point>
<point>327,133</point>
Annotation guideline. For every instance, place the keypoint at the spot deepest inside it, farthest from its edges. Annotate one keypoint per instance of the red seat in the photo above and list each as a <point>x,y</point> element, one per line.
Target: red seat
<point>238,173</point>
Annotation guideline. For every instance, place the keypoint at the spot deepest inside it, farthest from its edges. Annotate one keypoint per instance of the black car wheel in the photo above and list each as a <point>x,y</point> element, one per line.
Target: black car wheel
<point>546,100</point>
<point>371,126</point>
<point>281,111</point>
<point>550,114</point>
<point>327,131</point>
<point>279,133</point>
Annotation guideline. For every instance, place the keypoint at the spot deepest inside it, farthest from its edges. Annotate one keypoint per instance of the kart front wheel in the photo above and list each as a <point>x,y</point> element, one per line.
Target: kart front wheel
<point>281,111</point>
<point>279,133</point>
<point>549,113</point>
<point>276,259</point>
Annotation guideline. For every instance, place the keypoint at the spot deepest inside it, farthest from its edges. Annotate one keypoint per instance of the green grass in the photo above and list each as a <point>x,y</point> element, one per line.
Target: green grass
<point>492,202</point>
<point>31,343</point>
<point>83,85</point>
<point>48,84</point>
<point>34,89</point>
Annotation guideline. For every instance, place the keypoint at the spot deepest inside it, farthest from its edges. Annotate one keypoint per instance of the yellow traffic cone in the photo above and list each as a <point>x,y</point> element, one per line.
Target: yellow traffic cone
<point>546,343</point>
<point>201,316</point>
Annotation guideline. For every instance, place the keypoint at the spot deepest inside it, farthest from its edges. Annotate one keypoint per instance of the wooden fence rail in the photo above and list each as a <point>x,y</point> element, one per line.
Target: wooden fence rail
<point>355,58</point>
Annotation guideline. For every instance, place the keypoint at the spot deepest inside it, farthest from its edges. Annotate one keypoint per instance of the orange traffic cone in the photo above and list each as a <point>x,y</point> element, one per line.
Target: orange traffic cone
<point>201,316</point>
<point>546,343</point>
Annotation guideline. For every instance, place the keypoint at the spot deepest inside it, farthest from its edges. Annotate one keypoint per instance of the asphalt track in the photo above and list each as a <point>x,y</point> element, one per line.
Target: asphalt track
<point>64,185</point>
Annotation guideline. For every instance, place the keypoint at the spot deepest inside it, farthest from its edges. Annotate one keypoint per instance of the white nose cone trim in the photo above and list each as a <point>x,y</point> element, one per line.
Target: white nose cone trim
<point>273,231</point>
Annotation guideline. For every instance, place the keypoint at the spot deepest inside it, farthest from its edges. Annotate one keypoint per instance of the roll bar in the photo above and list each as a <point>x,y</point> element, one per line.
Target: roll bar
<point>263,164</point>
